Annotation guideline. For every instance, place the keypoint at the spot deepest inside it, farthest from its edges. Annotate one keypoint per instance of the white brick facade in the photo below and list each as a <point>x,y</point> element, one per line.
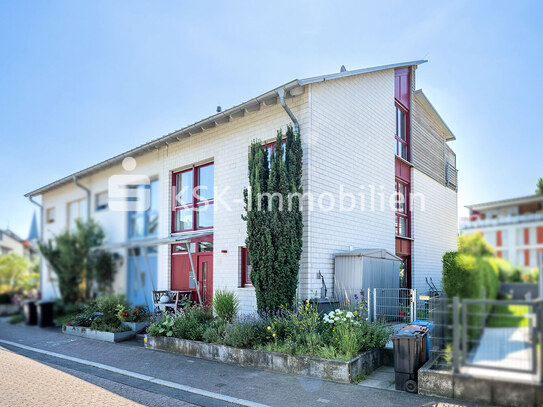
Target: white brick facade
<point>435,228</point>
<point>347,127</point>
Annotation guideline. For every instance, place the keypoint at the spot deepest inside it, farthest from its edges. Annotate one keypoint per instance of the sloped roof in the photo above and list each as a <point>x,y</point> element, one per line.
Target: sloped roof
<point>423,100</point>
<point>226,116</point>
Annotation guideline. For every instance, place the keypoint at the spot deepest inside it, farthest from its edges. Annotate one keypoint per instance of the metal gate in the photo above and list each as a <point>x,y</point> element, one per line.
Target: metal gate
<point>499,334</point>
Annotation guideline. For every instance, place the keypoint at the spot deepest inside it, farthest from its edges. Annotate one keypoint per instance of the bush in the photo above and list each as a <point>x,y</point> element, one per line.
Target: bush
<point>107,305</point>
<point>192,323</point>
<point>225,304</point>
<point>490,271</point>
<point>214,333</point>
<point>247,331</point>
<point>460,276</point>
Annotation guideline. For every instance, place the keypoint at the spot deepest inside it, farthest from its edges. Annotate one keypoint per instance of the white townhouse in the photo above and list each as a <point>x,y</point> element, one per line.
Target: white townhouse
<point>366,133</point>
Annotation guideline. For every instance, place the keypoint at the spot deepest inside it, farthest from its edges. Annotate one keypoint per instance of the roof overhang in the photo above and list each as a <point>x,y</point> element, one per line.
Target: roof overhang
<point>291,89</point>
<point>373,253</point>
<point>431,110</point>
<point>506,203</point>
<point>176,238</point>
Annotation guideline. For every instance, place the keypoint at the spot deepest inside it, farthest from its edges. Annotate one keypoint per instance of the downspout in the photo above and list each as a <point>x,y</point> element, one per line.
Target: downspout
<point>84,188</point>
<point>281,94</point>
<point>42,223</point>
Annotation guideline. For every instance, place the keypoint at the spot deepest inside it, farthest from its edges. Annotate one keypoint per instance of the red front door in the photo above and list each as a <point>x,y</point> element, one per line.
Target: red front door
<point>182,278</point>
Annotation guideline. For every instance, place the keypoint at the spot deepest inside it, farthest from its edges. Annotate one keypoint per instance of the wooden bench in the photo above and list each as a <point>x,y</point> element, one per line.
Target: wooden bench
<point>178,300</point>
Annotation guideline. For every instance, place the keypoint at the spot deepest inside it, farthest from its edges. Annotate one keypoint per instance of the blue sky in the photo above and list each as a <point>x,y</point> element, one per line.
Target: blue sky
<point>83,81</point>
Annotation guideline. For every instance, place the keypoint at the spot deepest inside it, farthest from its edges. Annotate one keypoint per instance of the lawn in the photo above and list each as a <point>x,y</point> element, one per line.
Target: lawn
<point>509,316</point>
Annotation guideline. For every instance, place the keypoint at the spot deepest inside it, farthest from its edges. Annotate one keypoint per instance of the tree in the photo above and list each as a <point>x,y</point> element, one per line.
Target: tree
<point>539,186</point>
<point>474,244</point>
<point>274,220</point>
<point>81,272</point>
<point>17,274</point>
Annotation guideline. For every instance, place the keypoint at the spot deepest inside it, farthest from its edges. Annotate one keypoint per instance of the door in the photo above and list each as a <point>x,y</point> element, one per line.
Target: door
<point>142,276</point>
<point>182,279</point>
<point>205,277</point>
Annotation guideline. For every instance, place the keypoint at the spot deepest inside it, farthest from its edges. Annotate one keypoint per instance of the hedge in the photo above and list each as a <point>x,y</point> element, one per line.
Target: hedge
<point>467,276</point>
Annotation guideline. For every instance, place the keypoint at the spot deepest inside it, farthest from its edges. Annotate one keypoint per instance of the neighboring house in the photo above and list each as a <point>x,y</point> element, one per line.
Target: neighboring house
<point>11,243</point>
<point>513,226</point>
<point>367,133</point>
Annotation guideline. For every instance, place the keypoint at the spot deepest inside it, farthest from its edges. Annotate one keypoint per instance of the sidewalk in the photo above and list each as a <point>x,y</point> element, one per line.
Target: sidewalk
<point>212,379</point>
<point>29,383</point>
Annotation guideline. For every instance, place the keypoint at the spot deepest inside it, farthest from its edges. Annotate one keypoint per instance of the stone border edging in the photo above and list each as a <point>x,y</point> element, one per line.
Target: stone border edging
<point>85,332</point>
<point>325,369</point>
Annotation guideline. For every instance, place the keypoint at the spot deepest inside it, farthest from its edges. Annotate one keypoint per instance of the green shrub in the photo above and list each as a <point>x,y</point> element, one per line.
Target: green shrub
<point>247,331</point>
<point>107,305</point>
<point>225,304</point>
<point>161,327</point>
<point>489,268</point>
<point>215,332</point>
<point>371,336</point>
<point>460,276</point>
<point>192,323</point>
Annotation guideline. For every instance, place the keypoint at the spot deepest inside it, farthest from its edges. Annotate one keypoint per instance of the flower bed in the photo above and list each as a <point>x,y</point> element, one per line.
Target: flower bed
<point>301,336</point>
<point>108,318</point>
<point>325,369</point>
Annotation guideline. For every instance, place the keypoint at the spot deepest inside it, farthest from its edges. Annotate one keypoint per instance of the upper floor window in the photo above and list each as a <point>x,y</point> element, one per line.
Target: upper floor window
<point>50,215</point>
<point>192,205</point>
<point>402,210</point>
<point>76,210</point>
<point>145,223</point>
<point>402,140</point>
<point>101,201</point>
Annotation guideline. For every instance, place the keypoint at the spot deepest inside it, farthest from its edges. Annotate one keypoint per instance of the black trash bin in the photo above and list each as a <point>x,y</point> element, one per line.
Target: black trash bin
<point>29,308</point>
<point>45,313</point>
<point>409,355</point>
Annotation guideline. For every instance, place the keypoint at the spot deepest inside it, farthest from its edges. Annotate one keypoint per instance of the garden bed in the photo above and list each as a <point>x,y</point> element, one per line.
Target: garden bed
<point>326,369</point>
<point>85,332</point>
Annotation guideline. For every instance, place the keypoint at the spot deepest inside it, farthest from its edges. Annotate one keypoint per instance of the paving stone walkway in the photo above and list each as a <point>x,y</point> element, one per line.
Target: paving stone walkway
<point>214,379</point>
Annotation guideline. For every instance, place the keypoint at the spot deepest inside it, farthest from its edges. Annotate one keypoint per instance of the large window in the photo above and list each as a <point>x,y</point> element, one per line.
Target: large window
<point>192,206</point>
<point>76,210</point>
<point>402,140</point>
<point>402,212</point>
<point>145,223</point>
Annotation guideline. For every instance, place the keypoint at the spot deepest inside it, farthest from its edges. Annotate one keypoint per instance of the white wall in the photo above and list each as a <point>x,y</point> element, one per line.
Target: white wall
<point>115,224</point>
<point>350,143</point>
<point>435,228</point>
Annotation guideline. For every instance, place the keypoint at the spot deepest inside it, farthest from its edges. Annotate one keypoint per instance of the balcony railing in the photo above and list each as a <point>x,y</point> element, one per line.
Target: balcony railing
<point>499,221</point>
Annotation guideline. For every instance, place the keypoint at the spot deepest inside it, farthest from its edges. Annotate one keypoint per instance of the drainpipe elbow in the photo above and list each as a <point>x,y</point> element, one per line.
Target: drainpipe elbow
<point>281,94</point>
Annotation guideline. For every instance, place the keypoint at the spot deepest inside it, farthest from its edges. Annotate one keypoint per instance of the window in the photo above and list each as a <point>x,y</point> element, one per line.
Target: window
<point>271,148</point>
<point>50,215</point>
<point>192,206</point>
<point>101,201</point>
<point>402,210</point>
<point>141,224</point>
<point>402,141</point>
<point>76,210</point>
<point>245,268</point>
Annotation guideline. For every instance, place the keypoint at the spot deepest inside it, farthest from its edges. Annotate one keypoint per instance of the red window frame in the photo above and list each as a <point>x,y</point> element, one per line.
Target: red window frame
<point>245,274</point>
<point>399,141</point>
<point>398,213</point>
<point>195,203</point>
